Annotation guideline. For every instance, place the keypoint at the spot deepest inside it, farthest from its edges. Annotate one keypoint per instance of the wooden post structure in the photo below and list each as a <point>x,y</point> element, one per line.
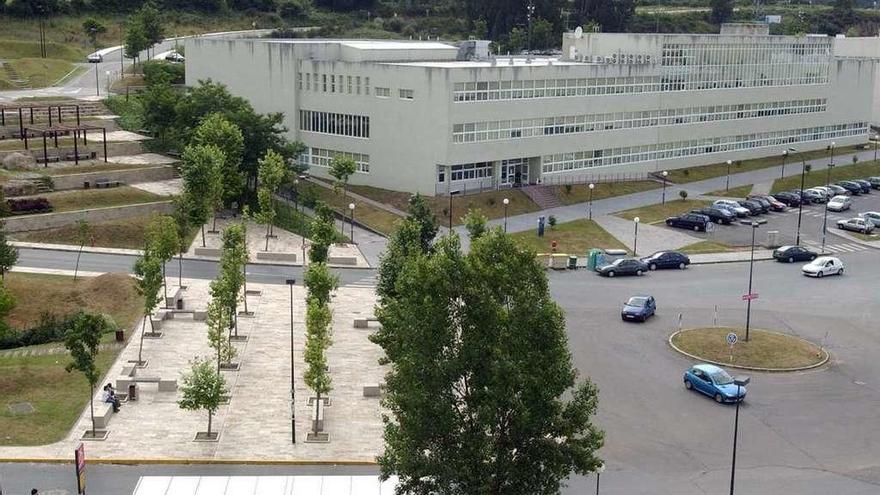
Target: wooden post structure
<point>105,143</point>
<point>45,152</point>
<point>75,147</point>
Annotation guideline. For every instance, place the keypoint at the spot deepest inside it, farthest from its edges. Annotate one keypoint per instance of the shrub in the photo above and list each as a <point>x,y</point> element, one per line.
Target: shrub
<point>50,328</point>
<point>491,201</point>
<point>552,221</point>
<point>159,70</point>
<point>683,194</point>
<point>309,197</point>
<point>567,188</point>
<point>26,206</point>
<point>292,9</point>
<point>855,159</point>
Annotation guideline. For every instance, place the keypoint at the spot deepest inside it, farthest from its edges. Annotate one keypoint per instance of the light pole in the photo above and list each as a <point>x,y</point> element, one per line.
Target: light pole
<point>801,202</point>
<point>591,186</point>
<point>506,202</point>
<point>784,157</point>
<point>751,271</point>
<point>599,470</point>
<point>876,142</point>
<point>636,236</point>
<point>665,173</point>
<point>740,381</point>
<point>727,187</point>
<point>296,195</point>
<point>290,282</point>
<point>450,212</point>
<point>825,215</point>
<point>97,83</point>
<point>831,148</point>
<point>351,221</point>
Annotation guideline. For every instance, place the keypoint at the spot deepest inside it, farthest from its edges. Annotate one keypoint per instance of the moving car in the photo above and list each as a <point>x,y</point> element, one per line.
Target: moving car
<point>838,191</point>
<point>788,199</point>
<point>840,203</point>
<point>175,57</point>
<point>856,225</point>
<point>692,221</point>
<point>667,259</point>
<point>95,58</point>
<point>754,207</point>
<point>733,206</point>
<point>638,308</point>
<point>852,187</point>
<point>823,265</point>
<point>871,216</point>
<point>790,254</point>
<point>717,215</point>
<point>714,382</point>
<point>623,266</point>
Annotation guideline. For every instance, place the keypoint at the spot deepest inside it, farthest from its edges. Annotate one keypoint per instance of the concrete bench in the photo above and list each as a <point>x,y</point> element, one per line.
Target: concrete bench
<point>197,315</point>
<point>372,390</point>
<point>167,385</point>
<point>103,413</point>
<point>342,260</point>
<point>174,299</point>
<point>271,256</point>
<point>363,322</point>
<point>85,156</point>
<point>106,184</point>
<point>47,159</point>
<point>318,417</point>
<point>206,251</point>
<point>157,318</point>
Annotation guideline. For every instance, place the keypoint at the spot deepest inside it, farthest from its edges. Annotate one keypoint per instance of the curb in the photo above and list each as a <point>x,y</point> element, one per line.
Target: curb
<point>718,262</point>
<point>751,368</point>
<point>174,461</point>
<point>850,238</point>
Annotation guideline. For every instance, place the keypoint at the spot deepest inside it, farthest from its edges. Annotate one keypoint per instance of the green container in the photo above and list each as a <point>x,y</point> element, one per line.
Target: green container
<point>593,258</point>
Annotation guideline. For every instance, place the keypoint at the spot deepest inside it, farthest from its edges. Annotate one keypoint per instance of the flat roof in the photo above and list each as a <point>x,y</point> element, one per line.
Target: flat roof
<point>499,62</point>
<point>368,44</point>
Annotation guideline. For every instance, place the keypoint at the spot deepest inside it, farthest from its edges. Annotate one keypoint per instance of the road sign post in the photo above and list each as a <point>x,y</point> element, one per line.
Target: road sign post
<point>80,464</point>
<point>731,340</point>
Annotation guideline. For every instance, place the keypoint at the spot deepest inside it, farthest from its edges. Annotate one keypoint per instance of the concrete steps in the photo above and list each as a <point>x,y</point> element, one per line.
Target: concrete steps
<point>543,196</point>
<point>13,76</point>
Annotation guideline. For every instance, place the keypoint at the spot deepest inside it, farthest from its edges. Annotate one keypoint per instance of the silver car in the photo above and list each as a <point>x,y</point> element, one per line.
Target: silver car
<point>839,203</point>
<point>871,216</point>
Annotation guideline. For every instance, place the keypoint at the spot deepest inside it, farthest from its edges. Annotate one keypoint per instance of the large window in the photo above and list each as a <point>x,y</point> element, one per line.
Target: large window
<point>469,171</point>
<point>317,157</point>
<point>334,123</point>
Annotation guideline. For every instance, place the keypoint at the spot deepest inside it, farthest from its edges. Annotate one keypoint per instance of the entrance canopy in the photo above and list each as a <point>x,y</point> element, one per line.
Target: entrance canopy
<point>264,485</point>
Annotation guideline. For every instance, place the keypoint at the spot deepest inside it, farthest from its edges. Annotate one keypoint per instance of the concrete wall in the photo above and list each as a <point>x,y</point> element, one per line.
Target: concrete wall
<point>868,48</point>
<point>53,220</point>
<point>133,176</point>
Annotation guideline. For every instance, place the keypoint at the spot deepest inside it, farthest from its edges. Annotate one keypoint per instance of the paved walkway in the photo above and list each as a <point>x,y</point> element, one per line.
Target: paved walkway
<point>651,239</point>
<point>170,187</point>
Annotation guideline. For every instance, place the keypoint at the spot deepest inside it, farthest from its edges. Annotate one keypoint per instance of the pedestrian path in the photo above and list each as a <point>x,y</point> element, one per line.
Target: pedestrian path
<point>651,238</point>
<point>837,247</point>
<point>365,283</point>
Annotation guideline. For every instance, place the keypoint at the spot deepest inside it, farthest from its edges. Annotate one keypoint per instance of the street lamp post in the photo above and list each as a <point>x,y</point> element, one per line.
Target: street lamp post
<point>727,187</point>
<point>825,215</point>
<point>636,236</point>
<point>506,202</point>
<point>784,157</point>
<point>740,381</point>
<point>801,203</point>
<point>296,195</point>
<point>591,186</point>
<point>97,83</point>
<point>751,271</point>
<point>833,144</point>
<point>351,221</point>
<point>599,470</point>
<point>876,142</point>
<point>665,173</point>
<point>290,282</point>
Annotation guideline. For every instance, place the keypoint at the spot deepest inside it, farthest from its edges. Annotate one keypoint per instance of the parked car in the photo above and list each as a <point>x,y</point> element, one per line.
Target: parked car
<point>805,198</point>
<point>852,187</point>
<point>717,215</point>
<point>667,259</point>
<point>838,191</point>
<point>175,57</point>
<point>775,204</point>
<point>733,206</point>
<point>754,207</point>
<point>623,266</point>
<point>840,203</point>
<point>827,191</point>
<point>692,221</point>
<point>875,182</point>
<point>871,216</point>
<point>823,265</point>
<point>860,225</point>
<point>765,205</point>
<point>788,199</point>
<point>815,197</point>
<point>790,254</point>
<point>865,185</point>
<point>638,308</point>
<point>95,58</point>
<point>714,382</point>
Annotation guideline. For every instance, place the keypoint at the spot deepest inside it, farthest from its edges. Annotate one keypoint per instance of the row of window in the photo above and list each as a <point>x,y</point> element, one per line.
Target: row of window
<point>676,54</point>
<point>467,171</point>
<point>574,124</point>
<point>564,162</point>
<point>333,83</point>
<point>317,157</point>
<point>403,94</point>
<point>340,124</point>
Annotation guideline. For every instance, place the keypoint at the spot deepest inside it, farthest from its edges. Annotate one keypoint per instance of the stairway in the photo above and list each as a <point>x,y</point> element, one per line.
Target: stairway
<point>543,196</point>
<point>13,76</point>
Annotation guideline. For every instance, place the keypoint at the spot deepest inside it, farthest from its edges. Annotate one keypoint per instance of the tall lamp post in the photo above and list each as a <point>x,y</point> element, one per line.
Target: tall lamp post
<point>506,202</point>
<point>876,142</point>
<point>290,282</point>
<point>351,222</point>
<point>599,470</point>
<point>740,381</point>
<point>636,235</point>
<point>801,198</point>
<point>665,173</point>
<point>755,226</point>
<point>727,187</point>
<point>825,215</point>
<point>591,186</point>
<point>97,83</point>
<point>831,148</point>
<point>296,195</point>
<point>784,157</point>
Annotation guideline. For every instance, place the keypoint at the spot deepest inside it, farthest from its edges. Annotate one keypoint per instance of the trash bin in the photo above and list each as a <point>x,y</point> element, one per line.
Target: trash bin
<point>180,303</point>
<point>572,262</point>
<point>120,336</point>
<point>132,392</point>
<point>593,258</point>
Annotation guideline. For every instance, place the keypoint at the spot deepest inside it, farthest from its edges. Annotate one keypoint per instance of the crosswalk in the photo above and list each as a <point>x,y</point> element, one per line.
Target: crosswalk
<point>836,248</point>
<point>365,283</point>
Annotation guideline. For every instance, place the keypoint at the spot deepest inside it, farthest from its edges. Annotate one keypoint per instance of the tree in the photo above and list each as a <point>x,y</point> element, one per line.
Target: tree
<point>543,35</point>
<point>683,194</point>
<point>7,303</point>
<point>233,258</point>
<point>341,168</point>
<point>202,181</point>
<point>500,16</point>
<point>316,376</point>
<point>150,18</point>
<point>405,242</point>
<point>84,232</point>
<point>202,389</point>
<point>611,15</point>
<point>180,214</point>
<point>159,101</point>
<point>148,273</point>
<point>8,253</point>
<point>266,215</point>
<point>475,223</point>
<point>482,393</point>
<point>320,282</point>
<point>271,175</point>
<point>722,10</point>
<point>82,340</point>
<point>135,41</point>
<point>322,233</point>
<point>163,242</point>
<point>215,129</point>
<point>93,28</point>
<point>422,214</point>
<point>219,320</point>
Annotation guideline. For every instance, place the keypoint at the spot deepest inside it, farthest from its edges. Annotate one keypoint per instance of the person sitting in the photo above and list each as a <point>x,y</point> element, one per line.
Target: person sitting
<point>110,397</point>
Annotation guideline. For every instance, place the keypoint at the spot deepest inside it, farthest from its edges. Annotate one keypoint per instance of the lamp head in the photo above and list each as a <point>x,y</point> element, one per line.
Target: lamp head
<point>351,206</point>
<point>636,219</point>
<point>506,201</point>
<point>290,281</point>
<point>592,186</point>
<point>665,173</point>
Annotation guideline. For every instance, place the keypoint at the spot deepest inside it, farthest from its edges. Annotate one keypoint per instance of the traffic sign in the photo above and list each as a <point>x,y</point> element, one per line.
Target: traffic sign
<point>80,464</point>
<point>749,297</point>
<point>731,338</point>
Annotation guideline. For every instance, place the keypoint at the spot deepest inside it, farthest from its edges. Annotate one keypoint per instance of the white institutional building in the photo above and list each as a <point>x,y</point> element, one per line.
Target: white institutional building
<point>439,118</point>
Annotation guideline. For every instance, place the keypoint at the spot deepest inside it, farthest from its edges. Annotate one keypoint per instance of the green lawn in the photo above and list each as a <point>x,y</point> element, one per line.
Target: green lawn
<point>659,212</point>
<point>21,48</point>
<point>367,214</point>
<point>98,198</point>
<point>693,174</point>
<point>38,72</point>
<point>865,237</point>
<point>96,167</point>
<point>819,177</point>
<point>122,234</point>
<point>763,349</point>
<point>576,237</point>
<point>734,192</point>
<point>703,247</point>
<point>580,193</point>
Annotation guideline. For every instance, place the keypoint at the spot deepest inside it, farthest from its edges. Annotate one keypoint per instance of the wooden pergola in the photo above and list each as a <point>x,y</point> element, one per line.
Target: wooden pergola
<point>27,113</point>
<point>52,132</point>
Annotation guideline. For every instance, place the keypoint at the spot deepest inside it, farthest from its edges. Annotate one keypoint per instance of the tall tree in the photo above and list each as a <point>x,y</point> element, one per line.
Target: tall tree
<point>215,129</point>
<point>404,243</point>
<point>482,393</point>
<point>93,28</point>
<point>150,19</point>
<point>322,233</point>
<point>84,233</point>
<point>82,340</point>
<point>316,377</point>
<point>612,16</point>
<point>272,174</point>
<point>203,389</point>
<point>180,214</point>
<point>159,101</point>
<point>219,319</point>
<point>233,258</point>
<point>202,181</point>
<point>148,273</point>
<point>135,41</point>
<point>8,253</point>
<point>722,10</point>
<point>475,223</point>
<point>163,242</point>
<point>320,281</point>
<point>420,211</point>
<point>341,168</point>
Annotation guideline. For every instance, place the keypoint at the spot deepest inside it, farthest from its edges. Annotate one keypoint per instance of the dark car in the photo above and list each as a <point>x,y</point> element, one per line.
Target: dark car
<point>692,221</point>
<point>788,199</point>
<point>814,196</point>
<point>764,203</point>
<point>638,308</point>
<point>790,254</point>
<point>806,198</point>
<point>775,204</point>
<point>667,259</point>
<point>852,187</point>
<point>875,182</point>
<point>866,185</point>
<point>623,266</point>
<point>717,215</point>
<point>754,207</point>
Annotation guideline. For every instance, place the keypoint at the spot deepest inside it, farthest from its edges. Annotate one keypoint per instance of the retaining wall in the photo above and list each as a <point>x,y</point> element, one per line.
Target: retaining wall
<point>130,176</point>
<point>54,220</point>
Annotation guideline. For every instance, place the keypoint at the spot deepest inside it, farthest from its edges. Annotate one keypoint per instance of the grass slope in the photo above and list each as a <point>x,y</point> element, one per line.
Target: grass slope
<point>817,177</point>
<point>99,198</point>
<point>38,72</point>
<point>575,237</point>
<point>124,234</point>
<point>659,212</point>
<point>580,193</point>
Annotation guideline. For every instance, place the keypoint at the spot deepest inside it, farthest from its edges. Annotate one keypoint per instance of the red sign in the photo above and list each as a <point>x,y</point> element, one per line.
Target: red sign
<point>80,456</point>
<point>749,297</point>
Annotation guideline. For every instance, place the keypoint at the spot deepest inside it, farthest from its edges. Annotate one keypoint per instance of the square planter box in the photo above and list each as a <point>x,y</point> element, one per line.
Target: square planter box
<point>318,438</point>
<point>230,367</point>
<point>203,436</point>
<point>95,436</point>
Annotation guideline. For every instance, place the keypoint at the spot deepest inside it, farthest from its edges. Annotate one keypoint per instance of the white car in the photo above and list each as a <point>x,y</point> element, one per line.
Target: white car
<point>871,216</point>
<point>839,203</point>
<point>823,265</point>
<point>95,58</point>
<point>822,192</point>
<point>861,225</point>
<point>733,207</point>
<point>175,57</point>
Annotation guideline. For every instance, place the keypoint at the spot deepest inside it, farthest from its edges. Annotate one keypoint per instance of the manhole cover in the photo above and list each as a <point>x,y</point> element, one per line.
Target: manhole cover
<point>21,408</point>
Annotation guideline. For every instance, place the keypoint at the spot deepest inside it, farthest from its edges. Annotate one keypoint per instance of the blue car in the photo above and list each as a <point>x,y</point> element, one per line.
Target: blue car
<point>638,308</point>
<point>714,382</point>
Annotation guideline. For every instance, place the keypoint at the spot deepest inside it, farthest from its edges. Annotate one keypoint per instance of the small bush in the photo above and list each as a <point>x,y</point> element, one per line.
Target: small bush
<point>490,201</point>
<point>567,188</point>
<point>28,205</point>
<point>683,194</point>
<point>158,70</point>
<point>50,328</point>
<point>552,221</point>
<point>855,159</point>
<point>308,197</point>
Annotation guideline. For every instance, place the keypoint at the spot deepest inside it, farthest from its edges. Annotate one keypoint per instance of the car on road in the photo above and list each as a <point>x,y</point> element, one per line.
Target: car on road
<point>875,182</point>
<point>866,185</point>
<point>623,266</point>
<point>823,265</point>
<point>788,198</point>
<point>852,187</point>
<point>717,215</point>
<point>733,206</point>
<point>95,58</point>
<point>860,225</point>
<point>871,216</point>
<point>790,254</point>
<point>638,308</point>
<point>840,203</point>
<point>754,207</point>
<point>715,382</point>
<point>667,259</point>
<point>691,221</point>
<point>175,57</point>
<point>775,204</point>
<point>838,191</point>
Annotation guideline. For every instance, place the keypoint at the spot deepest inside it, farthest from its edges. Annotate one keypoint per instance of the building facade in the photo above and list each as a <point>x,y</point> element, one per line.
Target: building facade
<point>438,119</point>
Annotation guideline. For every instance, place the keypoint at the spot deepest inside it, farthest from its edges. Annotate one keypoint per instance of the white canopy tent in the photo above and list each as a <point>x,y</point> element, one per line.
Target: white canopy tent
<point>264,485</point>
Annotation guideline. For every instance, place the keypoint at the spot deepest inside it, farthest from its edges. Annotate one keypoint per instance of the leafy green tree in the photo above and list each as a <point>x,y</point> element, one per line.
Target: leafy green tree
<point>420,211</point>
<point>266,215</point>
<point>475,223</point>
<point>84,233</point>
<point>180,214</point>
<point>612,15</point>
<point>543,35</point>
<point>163,241</point>
<point>405,242</point>
<point>500,16</point>
<point>135,41</point>
<point>341,169</point>
<point>150,19</point>
<point>272,174</point>
<point>202,390</point>
<point>82,340</point>
<point>148,273</point>
<point>219,320</point>
<point>316,377</point>
<point>482,393</point>
<point>322,234</point>
<point>202,181</point>
<point>216,129</point>
<point>722,10</point>
<point>8,253</point>
<point>320,282</point>
<point>158,102</point>
<point>233,258</point>
<point>92,28</point>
